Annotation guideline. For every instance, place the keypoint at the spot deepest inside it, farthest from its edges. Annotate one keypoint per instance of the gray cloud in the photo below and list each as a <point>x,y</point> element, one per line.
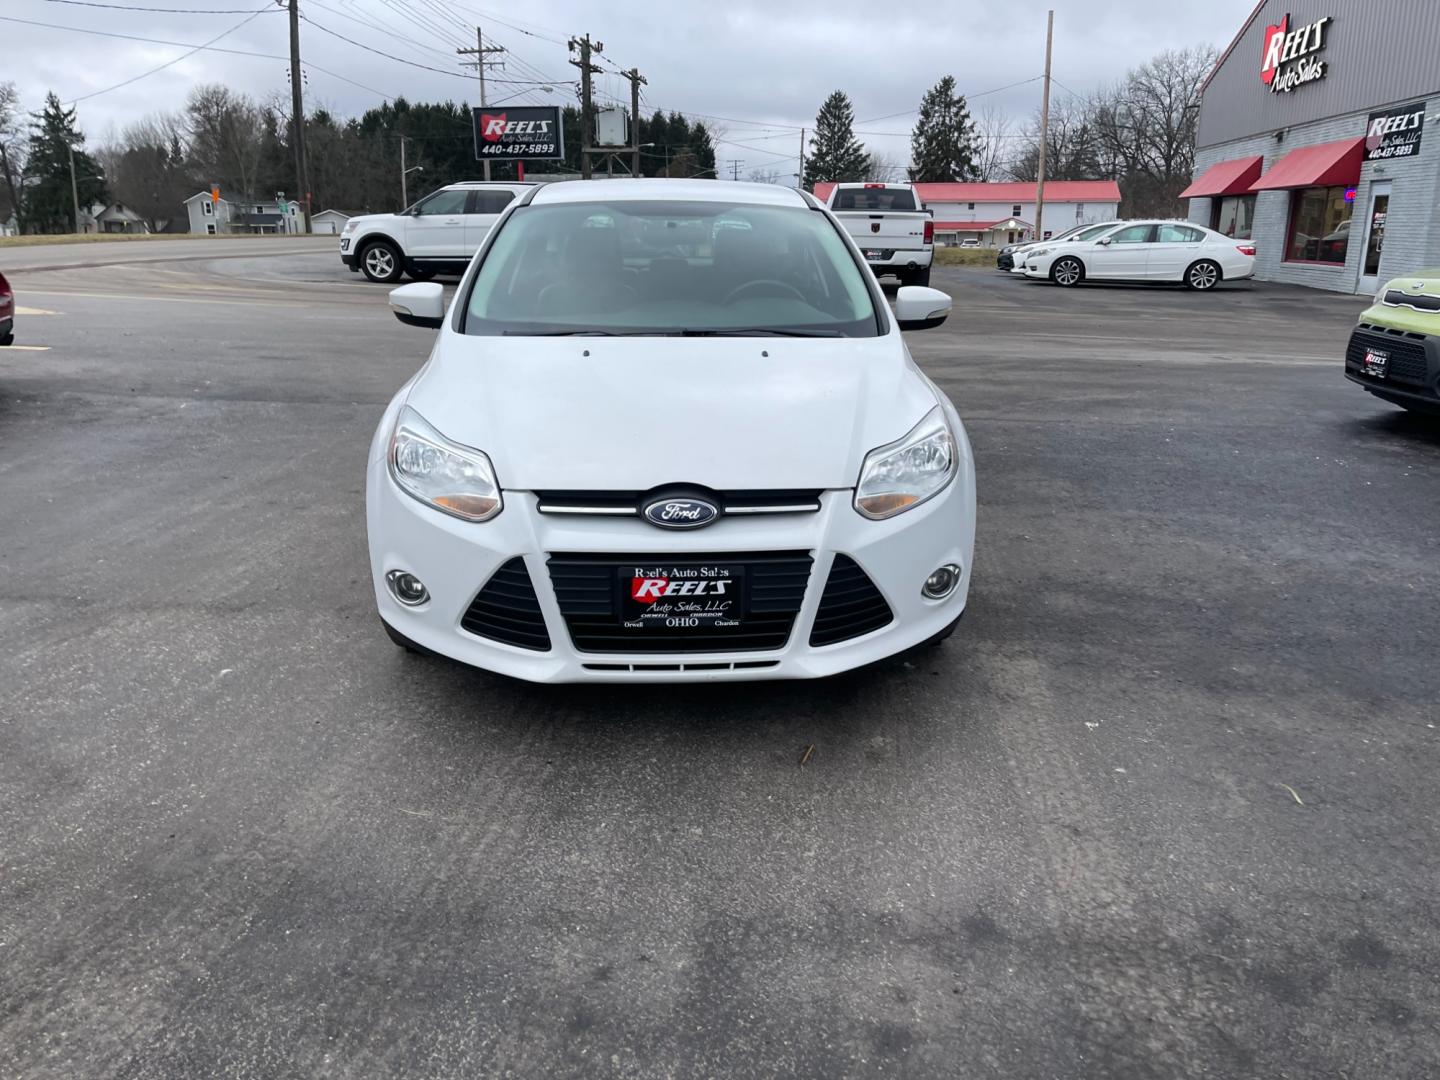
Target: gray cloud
<point>764,65</point>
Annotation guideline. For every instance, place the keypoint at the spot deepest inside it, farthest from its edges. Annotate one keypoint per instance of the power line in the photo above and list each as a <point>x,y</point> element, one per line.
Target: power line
<point>967,97</point>
<point>171,63</point>
<point>188,45</point>
<point>402,60</point>
<point>165,10</point>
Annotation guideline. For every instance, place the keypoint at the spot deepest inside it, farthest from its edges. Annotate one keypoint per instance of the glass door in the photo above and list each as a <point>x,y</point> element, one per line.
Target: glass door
<point>1374,238</point>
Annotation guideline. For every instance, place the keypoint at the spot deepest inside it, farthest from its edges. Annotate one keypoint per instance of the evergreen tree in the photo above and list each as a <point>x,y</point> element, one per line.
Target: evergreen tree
<point>943,146</point>
<point>49,206</point>
<point>835,153</point>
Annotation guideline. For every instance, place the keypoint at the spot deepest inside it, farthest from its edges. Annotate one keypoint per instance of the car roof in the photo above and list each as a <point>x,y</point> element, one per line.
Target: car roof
<point>491,184</point>
<point>668,190</point>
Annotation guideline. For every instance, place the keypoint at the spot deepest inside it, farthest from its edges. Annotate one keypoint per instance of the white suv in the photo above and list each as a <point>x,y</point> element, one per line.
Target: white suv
<point>436,235</point>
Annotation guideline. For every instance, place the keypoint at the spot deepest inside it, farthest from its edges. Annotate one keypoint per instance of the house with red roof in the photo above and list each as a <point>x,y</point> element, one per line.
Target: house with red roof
<point>999,214</point>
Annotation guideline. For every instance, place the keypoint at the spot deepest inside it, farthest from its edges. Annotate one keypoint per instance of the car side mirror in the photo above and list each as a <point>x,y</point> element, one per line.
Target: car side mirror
<point>919,308</point>
<point>419,304</point>
<point>1104,241</point>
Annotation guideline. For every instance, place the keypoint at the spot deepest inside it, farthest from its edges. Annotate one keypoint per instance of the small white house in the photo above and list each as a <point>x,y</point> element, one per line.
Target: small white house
<point>118,218</point>
<point>241,215</point>
<point>329,222</point>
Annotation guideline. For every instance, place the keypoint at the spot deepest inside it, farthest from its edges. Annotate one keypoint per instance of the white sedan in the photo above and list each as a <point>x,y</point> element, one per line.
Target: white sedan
<point>669,430</point>
<point>1158,251</point>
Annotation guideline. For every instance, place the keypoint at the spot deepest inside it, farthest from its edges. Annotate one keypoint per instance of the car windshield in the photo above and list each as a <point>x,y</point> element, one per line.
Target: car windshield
<point>877,197</point>
<point>643,267</point>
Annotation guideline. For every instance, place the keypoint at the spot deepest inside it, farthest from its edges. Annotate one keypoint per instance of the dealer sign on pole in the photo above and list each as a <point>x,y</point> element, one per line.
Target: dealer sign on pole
<point>510,132</point>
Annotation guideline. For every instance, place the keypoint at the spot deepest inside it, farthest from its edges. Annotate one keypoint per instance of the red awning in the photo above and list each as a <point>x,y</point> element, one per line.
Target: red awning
<point>1331,164</point>
<point>1225,178</point>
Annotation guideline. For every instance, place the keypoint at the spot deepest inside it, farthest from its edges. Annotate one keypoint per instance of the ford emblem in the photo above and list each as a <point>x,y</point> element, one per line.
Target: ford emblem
<point>681,513</point>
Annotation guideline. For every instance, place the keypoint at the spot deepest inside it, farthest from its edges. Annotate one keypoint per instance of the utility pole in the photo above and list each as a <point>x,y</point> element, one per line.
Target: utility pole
<point>297,114</point>
<point>735,168</point>
<point>587,112</point>
<point>800,176</point>
<point>1044,130</point>
<point>636,81</point>
<point>74,186</point>
<point>481,63</point>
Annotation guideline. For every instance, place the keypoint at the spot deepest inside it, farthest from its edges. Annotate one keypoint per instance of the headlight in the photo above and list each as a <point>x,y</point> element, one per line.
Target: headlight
<point>450,477</point>
<point>349,226</point>
<point>905,473</point>
<point>1040,251</point>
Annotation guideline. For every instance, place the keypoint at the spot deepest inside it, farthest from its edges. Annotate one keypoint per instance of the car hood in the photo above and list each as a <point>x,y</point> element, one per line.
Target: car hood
<point>1404,316</point>
<point>370,219</point>
<point>635,413</point>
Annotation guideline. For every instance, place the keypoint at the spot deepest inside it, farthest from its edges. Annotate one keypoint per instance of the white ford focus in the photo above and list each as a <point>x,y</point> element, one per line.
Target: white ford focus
<point>669,430</point>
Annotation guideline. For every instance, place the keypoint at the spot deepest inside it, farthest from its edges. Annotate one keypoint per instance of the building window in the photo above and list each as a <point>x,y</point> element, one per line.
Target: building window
<point>210,227</point>
<point>1319,226</point>
<point>207,207</point>
<point>1234,216</point>
<point>1015,210</point>
<point>970,206</point>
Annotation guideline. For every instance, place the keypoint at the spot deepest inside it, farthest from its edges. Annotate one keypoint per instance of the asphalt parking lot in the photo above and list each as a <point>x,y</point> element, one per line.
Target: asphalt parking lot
<point>1164,805</point>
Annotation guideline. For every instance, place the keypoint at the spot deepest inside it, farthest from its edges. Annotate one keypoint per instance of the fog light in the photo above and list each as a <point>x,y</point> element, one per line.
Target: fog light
<point>941,582</point>
<point>407,588</point>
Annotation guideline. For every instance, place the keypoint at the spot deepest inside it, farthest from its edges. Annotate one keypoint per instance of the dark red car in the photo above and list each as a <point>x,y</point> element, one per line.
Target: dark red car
<point>7,312</point>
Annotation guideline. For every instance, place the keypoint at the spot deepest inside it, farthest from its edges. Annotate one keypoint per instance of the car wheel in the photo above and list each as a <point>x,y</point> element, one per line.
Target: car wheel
<point>421,273</point>
<point>1202,275</point>
<point>1067,271</point>
<point>8,339</point>
<point>380,261</point>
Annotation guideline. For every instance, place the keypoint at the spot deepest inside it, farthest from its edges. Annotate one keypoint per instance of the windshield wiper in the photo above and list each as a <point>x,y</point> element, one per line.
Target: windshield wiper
<point>760,331</point>
<point>558,333</point>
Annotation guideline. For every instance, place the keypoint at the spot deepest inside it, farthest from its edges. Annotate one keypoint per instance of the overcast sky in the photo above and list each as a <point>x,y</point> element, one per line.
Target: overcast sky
<point>763,65</point>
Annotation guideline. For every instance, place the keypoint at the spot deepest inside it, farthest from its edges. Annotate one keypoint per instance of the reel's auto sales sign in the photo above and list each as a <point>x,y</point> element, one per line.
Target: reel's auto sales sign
<point>514,132</point>
<point>1395,133</point>
<point>1288,57</point>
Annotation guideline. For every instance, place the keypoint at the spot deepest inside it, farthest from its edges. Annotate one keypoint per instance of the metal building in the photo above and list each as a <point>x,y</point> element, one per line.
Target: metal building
<point>1313,141</point>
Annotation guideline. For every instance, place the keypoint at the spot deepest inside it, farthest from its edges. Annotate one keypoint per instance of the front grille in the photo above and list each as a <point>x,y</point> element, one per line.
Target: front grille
<point>1407,361</point>
<point>587,590</point>
<point>1396,298</point>
<point>619,503</point>
<point>507,610</point>
<point>850,606</point>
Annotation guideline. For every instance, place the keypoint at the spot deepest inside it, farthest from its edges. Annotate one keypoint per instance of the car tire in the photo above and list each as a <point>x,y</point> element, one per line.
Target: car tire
<point>380,262</point>
<point>420,273</point>
<point>1203,275</point>
<point>1067,271</point>
<point>8,339</point>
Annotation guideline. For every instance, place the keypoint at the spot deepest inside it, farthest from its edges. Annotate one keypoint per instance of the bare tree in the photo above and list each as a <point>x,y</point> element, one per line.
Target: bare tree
<point>764,176</point>
<point>1146,128</point>
<point>1073,150</point>
<point>886,169</point>
<point>227,138</point>
<point>148,168</point>
<point>992,128</point>
<point>14,153</point>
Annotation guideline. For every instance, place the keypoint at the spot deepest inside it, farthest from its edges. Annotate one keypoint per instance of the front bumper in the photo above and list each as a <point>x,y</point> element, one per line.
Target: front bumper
<point>347,255</point>
<point>456,559</point>
<point>1412,378</point>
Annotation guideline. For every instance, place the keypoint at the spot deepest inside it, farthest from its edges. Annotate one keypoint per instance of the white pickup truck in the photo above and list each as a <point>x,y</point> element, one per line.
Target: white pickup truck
<point>890,228</point>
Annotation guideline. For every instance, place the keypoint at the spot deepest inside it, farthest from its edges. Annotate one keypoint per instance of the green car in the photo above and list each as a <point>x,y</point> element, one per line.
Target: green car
<point>1394,352</point>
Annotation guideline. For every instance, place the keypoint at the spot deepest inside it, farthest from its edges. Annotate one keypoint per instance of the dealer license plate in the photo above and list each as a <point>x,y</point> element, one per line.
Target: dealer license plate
<point>874,256</point>
<point>666,596</point>
<point>1376,361</point>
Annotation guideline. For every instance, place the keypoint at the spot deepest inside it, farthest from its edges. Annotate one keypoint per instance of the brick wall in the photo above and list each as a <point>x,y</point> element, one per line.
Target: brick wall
<point>1412,229</point>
